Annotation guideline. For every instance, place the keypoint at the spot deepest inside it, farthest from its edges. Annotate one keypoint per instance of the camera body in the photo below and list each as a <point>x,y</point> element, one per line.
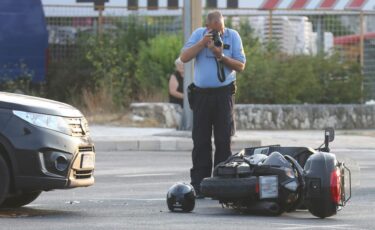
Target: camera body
<point>218,42</point>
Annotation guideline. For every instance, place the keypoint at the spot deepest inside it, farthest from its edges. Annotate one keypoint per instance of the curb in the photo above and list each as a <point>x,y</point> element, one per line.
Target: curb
<point>154,144</point>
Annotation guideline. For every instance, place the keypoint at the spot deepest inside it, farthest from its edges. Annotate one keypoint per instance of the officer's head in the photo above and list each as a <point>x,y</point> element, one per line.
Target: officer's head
<point>215,21</point>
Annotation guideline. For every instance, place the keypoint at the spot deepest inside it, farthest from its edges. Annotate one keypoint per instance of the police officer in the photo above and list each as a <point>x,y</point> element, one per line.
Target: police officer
<point>215,70</point>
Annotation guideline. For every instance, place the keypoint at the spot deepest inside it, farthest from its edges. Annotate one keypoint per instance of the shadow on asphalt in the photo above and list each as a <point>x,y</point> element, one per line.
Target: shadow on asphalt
<point>32,212</point>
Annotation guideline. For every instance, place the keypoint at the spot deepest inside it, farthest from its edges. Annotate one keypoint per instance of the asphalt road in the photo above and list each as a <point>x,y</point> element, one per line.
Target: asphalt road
<point>130,191</point>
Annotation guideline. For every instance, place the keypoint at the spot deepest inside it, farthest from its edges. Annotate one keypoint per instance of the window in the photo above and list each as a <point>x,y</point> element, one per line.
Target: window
<point>172,4</point>
<point>132,4</point>
<point>211,3</point>
<point>232,3</point>
<point>152,4</point>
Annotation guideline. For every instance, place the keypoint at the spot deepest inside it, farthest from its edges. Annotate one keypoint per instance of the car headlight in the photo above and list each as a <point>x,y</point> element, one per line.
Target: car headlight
<point>55,123</point>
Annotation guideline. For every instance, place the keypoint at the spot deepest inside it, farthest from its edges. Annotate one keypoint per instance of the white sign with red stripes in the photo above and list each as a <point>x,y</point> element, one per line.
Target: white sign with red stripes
<point>316,4</point>
<point>367,5</point>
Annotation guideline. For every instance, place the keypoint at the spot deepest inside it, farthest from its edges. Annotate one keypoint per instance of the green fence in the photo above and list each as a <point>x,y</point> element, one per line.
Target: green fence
<point>78,36</point>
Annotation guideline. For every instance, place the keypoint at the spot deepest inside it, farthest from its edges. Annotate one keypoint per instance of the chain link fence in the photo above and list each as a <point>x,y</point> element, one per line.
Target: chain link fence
<point>351,35</point>
<point>67,24</point>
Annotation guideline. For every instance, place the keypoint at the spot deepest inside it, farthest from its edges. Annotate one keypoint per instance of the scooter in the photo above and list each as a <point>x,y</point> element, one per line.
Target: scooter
<point>273,179</point>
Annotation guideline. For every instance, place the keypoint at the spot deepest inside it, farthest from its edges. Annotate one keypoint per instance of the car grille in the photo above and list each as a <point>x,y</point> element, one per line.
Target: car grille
<point>78,126</point>
<point>82,174</point>
<point>86,149</point>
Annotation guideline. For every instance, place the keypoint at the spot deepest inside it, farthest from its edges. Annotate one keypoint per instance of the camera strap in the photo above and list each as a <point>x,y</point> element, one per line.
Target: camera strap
<point>220,70</point>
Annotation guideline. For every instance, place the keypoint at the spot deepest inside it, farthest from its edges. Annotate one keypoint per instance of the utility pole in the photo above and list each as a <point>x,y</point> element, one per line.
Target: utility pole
<point>99,5</point>
<point>320,33</point>
<point>362,52</point>
<point>192,18</point>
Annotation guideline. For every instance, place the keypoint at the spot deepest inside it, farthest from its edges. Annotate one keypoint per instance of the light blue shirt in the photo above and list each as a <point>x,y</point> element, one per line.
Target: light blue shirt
<point>205,68</point>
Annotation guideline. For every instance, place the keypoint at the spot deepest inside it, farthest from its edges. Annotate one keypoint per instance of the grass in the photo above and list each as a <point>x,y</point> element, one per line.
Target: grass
<point>119,119</point>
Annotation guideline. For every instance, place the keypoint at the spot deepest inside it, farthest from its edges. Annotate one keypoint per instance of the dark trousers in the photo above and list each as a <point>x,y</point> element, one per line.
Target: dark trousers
<point>212,111</point>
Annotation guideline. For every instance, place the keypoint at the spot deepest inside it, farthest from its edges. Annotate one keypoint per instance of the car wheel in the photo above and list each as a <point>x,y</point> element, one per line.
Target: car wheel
<point>4,179</point>
<point>20,200</point>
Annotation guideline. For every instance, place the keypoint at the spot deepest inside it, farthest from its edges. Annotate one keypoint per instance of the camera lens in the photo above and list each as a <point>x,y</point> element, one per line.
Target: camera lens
<point>216,38</point>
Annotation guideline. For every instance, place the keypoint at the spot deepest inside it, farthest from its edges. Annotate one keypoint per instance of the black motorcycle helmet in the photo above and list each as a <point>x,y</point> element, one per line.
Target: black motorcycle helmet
<point>181,196</point>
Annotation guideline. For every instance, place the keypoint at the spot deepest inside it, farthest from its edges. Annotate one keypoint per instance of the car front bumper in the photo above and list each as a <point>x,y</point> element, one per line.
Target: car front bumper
<point>44,159</point>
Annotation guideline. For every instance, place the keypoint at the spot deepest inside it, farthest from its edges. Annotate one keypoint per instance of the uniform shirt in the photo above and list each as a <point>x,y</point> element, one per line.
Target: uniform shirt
<point>205,67</point>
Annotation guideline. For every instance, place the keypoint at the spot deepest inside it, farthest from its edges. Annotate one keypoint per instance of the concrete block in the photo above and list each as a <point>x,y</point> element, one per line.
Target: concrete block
<point>105,146</point>
<point>240,144</point>
<point>168,145</point>
<point>184,145</point>
<point>149,145</point>
<point>127,145</point>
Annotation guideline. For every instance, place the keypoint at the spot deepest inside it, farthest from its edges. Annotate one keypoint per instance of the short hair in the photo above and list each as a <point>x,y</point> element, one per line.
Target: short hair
<point>214,16</point>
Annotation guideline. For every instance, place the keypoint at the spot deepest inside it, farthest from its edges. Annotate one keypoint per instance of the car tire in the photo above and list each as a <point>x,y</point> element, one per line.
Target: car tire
<point>20,200</point>
<point>4,179</point>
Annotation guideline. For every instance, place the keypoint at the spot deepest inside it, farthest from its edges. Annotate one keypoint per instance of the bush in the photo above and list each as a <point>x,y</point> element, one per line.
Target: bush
<point>273,77</point>
<point>110,69</point>
<point>131,63</point>
<point>340,80</point>
<point>156,63</point>
<point>67,78</point>
<point>17,78</point>
<point>102,68</point>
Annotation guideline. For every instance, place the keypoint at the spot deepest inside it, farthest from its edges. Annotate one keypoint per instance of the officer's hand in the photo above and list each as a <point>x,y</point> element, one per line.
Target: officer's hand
<point>207,39</point>
<point>217,51</point>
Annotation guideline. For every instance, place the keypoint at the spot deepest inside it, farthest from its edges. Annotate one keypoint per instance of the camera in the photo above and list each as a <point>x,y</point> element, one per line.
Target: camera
<point>216,38</point>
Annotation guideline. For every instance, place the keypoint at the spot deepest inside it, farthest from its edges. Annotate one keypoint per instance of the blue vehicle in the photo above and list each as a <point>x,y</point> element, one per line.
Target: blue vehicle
<point>23,40</point>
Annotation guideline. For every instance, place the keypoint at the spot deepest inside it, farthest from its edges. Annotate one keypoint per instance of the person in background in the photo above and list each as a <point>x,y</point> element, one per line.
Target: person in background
<point>176,84</point>
<point>219,55</point>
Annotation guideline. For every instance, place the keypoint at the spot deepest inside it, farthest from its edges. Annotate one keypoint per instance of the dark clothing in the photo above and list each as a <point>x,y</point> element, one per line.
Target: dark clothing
<point>213,102</point>
<point>212,111</point>
<point>180,89</point>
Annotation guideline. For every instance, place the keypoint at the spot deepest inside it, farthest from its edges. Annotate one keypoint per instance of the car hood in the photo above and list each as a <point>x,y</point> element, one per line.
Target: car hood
<point>37,105</point>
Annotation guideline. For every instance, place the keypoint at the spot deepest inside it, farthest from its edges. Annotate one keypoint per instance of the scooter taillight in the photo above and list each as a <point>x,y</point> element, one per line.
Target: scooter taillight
<point>336,186</point>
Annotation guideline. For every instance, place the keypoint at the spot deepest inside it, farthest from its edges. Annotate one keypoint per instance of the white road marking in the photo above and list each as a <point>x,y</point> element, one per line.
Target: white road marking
<point>33,205</point>
<point>305,226</point>
<point>147,175</point>
<point>127,199</point>
<point>352,150</point>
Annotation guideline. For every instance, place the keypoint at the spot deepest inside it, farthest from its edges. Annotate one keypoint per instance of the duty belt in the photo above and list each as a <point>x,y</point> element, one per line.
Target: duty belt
<point>231,88</point>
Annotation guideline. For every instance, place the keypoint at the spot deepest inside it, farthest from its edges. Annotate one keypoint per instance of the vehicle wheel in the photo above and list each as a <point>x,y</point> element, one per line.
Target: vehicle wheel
<point>4,179</point>
<point>20,200</point>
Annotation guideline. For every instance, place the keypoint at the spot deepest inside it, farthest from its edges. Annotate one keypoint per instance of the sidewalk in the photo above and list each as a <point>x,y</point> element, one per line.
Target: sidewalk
<point>112,138</point>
